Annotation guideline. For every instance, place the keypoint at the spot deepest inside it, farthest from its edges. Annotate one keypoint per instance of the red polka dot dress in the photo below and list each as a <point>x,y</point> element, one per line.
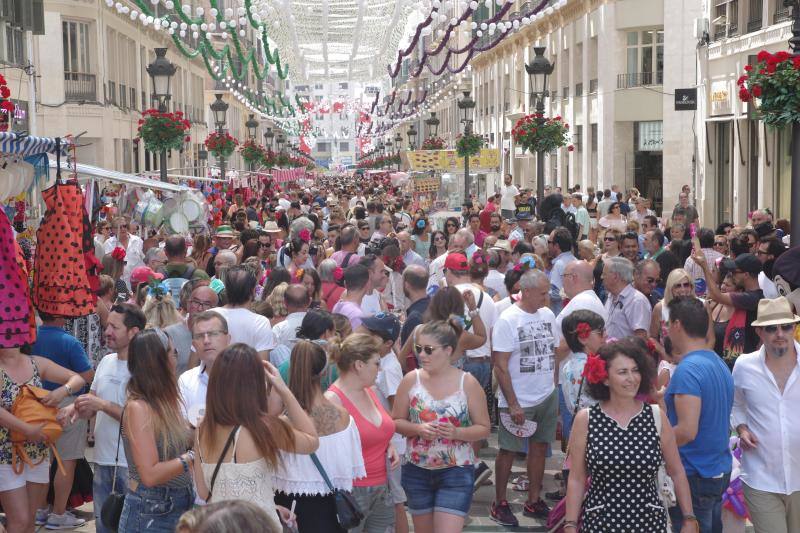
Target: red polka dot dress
<point>15,309</point>
<point>61,282</point>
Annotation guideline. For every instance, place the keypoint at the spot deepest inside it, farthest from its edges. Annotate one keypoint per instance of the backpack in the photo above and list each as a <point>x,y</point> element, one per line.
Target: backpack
<point>29,408</point>
<point>176,284</point>
<point>559,218</point>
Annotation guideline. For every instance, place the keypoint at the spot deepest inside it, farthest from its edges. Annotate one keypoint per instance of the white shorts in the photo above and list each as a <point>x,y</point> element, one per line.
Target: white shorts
<point>36,474</point>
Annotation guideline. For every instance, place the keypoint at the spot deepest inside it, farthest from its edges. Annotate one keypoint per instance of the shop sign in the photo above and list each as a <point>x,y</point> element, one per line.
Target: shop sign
<point>720,98</point>
<point>686,99</point>
<point>449,159</point>
<point>651,136</point>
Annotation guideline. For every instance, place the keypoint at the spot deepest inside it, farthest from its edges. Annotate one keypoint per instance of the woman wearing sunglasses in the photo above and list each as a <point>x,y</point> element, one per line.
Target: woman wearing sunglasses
<point>438,246</point>
<point>451,226</point>
<point>441,410</point>
<point>679,284</point>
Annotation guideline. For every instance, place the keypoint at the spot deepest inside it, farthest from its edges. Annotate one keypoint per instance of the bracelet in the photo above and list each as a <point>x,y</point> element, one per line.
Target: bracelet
<point>69,389</point>
<point>690,518</point>
<point>570,523</point>
<point>184,463</point>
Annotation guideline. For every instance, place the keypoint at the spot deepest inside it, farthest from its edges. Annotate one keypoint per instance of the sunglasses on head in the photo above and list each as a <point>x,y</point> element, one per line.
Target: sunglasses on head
<point>428,349</point>
<point>786,328</point>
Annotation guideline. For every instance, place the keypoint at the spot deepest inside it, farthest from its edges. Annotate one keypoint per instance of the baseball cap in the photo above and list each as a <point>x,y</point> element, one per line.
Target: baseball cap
<point>142,274</point>
<point>457,262</point>
<point>224,231</point>
<point>384,324</point>
<point>748,263</point>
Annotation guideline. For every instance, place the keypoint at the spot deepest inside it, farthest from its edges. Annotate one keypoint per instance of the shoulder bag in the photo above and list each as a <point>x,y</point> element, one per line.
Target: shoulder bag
<point>665,486</point>
<point>347,511</point>
<point>29,408</point>
<point>219,462</point>
<point>111,512</point>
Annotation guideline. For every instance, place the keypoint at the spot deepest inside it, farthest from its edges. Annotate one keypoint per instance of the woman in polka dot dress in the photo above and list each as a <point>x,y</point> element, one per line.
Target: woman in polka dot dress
<point>617,444</point>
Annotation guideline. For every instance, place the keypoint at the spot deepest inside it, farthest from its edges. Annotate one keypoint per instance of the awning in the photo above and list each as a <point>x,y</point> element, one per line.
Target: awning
<point>12,143</point>
<point>121,177</point>
<point>184,177</point>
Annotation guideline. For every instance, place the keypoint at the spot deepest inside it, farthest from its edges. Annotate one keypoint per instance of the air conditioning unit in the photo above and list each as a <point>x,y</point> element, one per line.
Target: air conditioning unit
<point>701,26</point>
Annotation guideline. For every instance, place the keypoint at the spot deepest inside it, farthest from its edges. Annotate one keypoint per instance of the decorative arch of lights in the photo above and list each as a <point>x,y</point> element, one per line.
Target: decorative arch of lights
<point>337,40</point>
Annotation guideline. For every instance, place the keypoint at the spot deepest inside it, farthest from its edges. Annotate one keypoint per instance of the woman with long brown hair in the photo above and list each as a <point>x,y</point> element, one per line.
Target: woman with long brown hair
<point>201,250</point>
<point>339,450</point>
<point>155,436</point>
<point>238,433</point>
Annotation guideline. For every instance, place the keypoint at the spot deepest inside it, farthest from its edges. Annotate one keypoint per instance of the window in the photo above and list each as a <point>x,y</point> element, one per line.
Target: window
<point>756,9</point>
<point>344,147</point>
<point>15,45</point>
<point>644,59</point>
<point>726,19</point>
<point>76,46</point>
<point>343,85</point>
<point>323,147</point>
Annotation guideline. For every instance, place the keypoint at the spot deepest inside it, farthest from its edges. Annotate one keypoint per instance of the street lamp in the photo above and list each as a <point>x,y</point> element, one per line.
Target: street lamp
<point>252,127</point>
<point>202,156</point>
<point>219,109</point>
<point>466,105</point>
<point>412,137</point>
<point>538,70</point>
<point>161,72</point>
<point>269,137</point>
<point>794,46</point>
<point>432,123</point>
<point>398,141</point>
<point>279,140</point>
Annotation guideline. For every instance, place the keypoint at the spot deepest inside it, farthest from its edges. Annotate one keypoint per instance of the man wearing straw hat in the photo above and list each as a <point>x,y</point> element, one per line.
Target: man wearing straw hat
<point>766,416</point>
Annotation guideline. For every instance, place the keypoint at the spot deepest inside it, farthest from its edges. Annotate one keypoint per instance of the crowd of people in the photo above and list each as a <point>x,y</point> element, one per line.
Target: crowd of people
<point>335,359</point>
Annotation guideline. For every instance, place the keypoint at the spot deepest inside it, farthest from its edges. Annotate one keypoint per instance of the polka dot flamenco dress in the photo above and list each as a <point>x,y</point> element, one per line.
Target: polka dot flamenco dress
<point>17,326</point>
<point>623,464</point>
<point>61,280</point>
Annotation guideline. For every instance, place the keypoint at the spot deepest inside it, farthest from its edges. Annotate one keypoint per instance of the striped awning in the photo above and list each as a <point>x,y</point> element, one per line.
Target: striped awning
<point>11,143</point>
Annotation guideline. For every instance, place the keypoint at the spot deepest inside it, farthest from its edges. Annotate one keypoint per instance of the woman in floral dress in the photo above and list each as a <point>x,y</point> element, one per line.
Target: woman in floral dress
<point>442,410</point>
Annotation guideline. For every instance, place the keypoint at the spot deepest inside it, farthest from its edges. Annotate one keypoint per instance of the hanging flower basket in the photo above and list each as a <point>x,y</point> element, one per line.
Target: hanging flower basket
<point>163,131</point>
<point>773,86</point>
<point>268,158</point>
<point>251,152</point>
<point>469,145</point>
<point>433,143</point>
<point>221,144</point>
<point>7,107</point>
<point>282,161</point>
<point>538,134</point>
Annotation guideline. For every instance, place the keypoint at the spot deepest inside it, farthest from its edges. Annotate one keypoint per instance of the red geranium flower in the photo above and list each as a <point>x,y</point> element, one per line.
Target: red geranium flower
<point>583,330</point>
<point>595,369</point>
<point>118,253</point>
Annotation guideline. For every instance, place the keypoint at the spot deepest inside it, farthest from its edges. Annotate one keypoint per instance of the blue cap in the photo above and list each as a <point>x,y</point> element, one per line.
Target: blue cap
<point>384,324</point>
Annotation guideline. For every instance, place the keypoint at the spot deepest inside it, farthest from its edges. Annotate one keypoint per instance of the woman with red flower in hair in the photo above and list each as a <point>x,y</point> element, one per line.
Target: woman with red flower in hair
<point>620,442</point>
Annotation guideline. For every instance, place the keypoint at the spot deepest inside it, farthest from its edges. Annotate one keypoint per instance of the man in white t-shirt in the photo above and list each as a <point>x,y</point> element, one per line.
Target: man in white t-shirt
<point>508,203</point>
<point>244,325</point>
<point>209,337</point>
<point>285,332</point>
<point>523,341</point>
<point>378,278</point>
<point>106,399</point>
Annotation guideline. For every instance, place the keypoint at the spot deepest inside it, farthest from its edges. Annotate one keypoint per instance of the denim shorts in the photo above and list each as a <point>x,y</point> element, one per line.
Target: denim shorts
<point>444,490</point>
<point>481,370</point>
<point>154,509</point>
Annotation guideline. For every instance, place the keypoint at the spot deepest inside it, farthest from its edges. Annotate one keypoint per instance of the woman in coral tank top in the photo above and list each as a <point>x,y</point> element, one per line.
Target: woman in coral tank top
<point>358,359</point>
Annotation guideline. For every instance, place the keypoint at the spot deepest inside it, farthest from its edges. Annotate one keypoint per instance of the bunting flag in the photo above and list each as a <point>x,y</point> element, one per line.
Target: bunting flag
<point>288,174</point>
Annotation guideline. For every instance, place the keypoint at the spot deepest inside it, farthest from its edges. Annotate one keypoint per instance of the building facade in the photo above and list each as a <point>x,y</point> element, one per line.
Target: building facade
<point>744,165</point>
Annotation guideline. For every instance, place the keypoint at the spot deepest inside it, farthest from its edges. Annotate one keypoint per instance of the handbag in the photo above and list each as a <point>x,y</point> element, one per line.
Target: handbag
<point>111,511</point>
<point>347,511</point>
<point>666,488</point>
<point>29,408</point>
<point>219,461</point>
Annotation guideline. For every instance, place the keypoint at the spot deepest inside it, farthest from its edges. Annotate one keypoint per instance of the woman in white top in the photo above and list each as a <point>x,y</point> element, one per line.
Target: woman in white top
<point>253,437</point>
<point>339,450</point>
<point>614,219</point>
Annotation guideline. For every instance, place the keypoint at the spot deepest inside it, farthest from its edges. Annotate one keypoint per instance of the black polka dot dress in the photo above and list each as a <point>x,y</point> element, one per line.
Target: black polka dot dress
<point>61,281</point>
<point>623,465</point>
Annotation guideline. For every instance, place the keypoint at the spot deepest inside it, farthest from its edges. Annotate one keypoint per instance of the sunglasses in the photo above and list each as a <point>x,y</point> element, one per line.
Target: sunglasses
<point>419,348</point>
<point>450,225</point>
<point>721,243</point>
<point>684,285</point>
<point>652,281</point>
<point>607,239</point>
<point>786,328</point>
<point>265,245</point>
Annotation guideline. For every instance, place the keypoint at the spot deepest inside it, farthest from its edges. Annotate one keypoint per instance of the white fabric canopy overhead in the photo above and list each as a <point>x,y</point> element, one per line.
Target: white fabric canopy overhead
<point>338,40</point>
<point>120,177</point>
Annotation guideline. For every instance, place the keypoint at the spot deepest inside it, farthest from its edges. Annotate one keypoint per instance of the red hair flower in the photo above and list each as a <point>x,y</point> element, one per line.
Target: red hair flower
<point>595,369</point>
<point>338,273</point>
<point>304,235</point>
<point>583,330</point>
<point>299,274</point>
<point>119,253</point>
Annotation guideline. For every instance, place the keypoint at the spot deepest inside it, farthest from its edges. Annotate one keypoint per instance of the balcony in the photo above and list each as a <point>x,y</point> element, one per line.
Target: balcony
<point>578,90</point>
<point>639,79</point>
<point>754,25</point>
<point>782,14</point>
<point>80,87</point>
<point>123,96</point>
<point>112,93</point>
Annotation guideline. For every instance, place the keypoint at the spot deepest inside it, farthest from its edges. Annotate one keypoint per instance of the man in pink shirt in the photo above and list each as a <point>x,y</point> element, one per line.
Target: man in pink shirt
<point>475,228</point>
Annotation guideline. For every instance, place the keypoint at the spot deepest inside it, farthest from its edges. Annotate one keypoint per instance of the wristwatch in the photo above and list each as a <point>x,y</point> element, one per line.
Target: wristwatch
<point>69,390</point>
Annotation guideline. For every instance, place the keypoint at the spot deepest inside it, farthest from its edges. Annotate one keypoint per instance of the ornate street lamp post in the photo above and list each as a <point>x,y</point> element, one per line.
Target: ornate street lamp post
<point>412,137</point>
<point>466,105</point>
<point>538,70</point>
<point>252,131</point>
<point>219,108</point>
<point>398,142</point>
<point>161,72</point>
<point>433,125</point>
<point>269,137</point>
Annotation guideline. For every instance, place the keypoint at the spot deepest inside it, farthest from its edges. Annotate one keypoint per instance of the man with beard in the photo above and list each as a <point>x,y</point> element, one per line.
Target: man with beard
<point>415,283</point>
<point>768,250</point>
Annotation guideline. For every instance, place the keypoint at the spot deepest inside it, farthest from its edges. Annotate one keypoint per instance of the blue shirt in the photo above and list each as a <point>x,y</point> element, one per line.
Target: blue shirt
<point>63,349</point>
<point>703,374</point>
